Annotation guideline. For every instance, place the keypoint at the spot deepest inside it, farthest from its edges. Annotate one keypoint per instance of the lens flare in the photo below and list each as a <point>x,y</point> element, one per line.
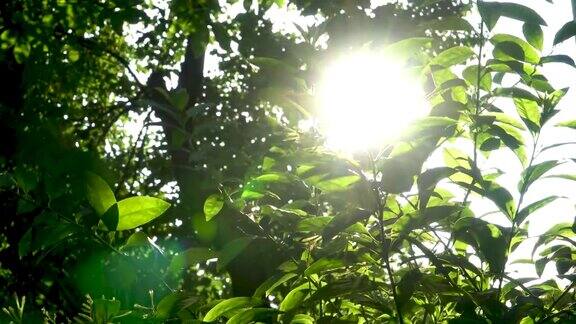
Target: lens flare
<point>366,100</point>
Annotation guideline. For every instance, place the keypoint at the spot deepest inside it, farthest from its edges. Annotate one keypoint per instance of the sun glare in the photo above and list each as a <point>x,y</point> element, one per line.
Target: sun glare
<point>366,101</point>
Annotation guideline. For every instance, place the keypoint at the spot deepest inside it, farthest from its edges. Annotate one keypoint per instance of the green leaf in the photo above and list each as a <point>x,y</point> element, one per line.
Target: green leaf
<point>313,224</point>
<point>515,93</point>
<point>508,47</point>
<point>511,138</point>
<point>179,99</point>
<point>99,194</point>
<point>342,221</point>
<point>259,315</point>
<point>558,59</point>
<point>427,182</point>
<point>229,304</point>
<point>323,265</point>
<point>46,231</point>
<point>273,177</point>
<point>534,173</point>
<point>111,217</point>
<point>490,144</point>
<point>294,298</point>
<point>135,240</point>
<point>506,119</point>
<point>253,190</point>
<point>407,47</point>
<point>488,239</point>
<point>302,319</point>
<point>337,184</point>
<point>526,211</point>
<point>529,112</point>
<point>533,34</point>
<point>567,31</point>
<point>470,74</point>
<point>492,11</point>
<point>139,210</point>
<point>267,287</point>
<point>571,177</point>
<point>213,205</point>
<point>448,23</point>
<point>452,56</point>
<point>569,124</point>
<point>551,234</point>
<point>501,197</point>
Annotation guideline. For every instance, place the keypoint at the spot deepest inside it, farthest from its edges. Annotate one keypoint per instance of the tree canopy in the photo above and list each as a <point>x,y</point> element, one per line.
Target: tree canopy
<point>154,167</point>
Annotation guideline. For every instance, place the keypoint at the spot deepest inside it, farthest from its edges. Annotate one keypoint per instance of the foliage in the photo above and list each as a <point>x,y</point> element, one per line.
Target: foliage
<point>221,208</point>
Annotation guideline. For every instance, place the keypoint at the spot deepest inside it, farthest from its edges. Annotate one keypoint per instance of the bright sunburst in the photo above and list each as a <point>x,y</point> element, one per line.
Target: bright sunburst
<point>367,100</point>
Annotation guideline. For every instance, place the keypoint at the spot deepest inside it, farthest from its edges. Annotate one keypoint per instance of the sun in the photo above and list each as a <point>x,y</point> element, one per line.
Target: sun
<point>366,100</point>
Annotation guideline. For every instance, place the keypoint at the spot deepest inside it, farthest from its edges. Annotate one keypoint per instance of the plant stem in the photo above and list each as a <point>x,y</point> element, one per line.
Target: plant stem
<point>518,205</point>
<point>385,247</point>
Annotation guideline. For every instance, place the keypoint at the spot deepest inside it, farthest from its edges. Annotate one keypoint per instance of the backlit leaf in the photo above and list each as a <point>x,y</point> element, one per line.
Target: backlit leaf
<point>452,56</point>
<point>227,305</point>
<point>139,210</point>
<point>99,194</point>
<point>213,205</point>
<point>533,34</point>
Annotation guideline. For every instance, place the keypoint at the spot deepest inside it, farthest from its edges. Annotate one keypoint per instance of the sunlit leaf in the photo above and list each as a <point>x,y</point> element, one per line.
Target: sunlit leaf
<point>313,224</point>
<point>529,112</point>
<point>302,319</point>
<point>323,265</point>
<point>268,286</point>
<point>253,315</point>
<point>452,56</point>
<point>515,93</point>
<point>470,74</point>
<point>511,47</point>
<point>533,34</point>
<point>213,205</point>
<point>337,184</point>
<point>135,240</point>
<point>568,124</point>
<point>136,211</point>
<point>294,298</point>
<point>228,305</point>
<point>448,23</point>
